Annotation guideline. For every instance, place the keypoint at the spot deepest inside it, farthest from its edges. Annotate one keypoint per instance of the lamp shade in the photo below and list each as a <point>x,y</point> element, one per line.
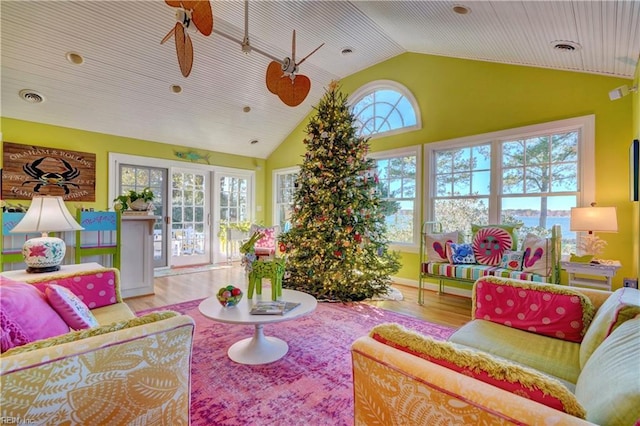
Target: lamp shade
<point>47,214</point>
<point>600,219</point>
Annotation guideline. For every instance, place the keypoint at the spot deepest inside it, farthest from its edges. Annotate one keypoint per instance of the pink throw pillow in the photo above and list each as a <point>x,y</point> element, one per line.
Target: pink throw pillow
<point>545,309</point>
<point>25,315</point>
<point>75,313</point>
<point>489,244</point>
<point>94,288</point>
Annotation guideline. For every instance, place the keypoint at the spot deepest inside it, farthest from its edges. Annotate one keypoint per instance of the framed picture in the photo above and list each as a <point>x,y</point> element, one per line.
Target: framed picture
<point>634,170</point>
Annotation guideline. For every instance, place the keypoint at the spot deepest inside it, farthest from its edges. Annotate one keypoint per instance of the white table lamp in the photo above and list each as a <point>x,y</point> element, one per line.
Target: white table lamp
<point>46,214</point>
<point>593,219</point>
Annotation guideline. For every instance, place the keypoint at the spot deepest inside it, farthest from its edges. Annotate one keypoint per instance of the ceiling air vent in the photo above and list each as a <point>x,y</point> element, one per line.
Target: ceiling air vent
<point>565,46</point>
<point>31,96</point>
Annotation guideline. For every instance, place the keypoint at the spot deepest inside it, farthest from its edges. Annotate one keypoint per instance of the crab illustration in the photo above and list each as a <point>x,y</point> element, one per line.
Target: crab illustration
<point>44,178</point>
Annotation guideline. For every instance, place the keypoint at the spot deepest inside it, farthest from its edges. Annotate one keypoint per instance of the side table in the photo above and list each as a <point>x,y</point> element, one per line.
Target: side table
<point>584,274</point>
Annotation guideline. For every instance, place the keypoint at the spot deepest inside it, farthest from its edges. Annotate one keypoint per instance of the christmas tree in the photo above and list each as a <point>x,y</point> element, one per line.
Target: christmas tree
<point>336,247</point>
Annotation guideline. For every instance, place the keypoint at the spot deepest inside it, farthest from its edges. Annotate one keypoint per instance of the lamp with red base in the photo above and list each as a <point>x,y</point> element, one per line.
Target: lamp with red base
<point>46,214</point>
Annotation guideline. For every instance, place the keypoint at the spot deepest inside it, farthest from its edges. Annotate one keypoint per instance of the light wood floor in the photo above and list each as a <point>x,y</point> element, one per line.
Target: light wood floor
<point>444,309</point>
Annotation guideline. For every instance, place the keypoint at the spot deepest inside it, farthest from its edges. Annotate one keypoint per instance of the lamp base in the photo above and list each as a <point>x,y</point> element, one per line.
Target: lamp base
<point>43,254</point>
<point>36,270</point>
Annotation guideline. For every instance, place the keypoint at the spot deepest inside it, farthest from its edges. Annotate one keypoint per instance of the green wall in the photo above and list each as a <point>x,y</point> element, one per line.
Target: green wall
<point>25,132</point>
<point>636,206</point>
<point>459,97</point>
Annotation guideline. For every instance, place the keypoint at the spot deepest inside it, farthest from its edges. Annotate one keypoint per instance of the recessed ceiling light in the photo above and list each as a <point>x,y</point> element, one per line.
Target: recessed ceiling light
<point>31,96</point>
<point>347,51</point>
<point>74,58</point>
<point>176,88</point>
<point>253,141</point>
<point>246,109</point>
<point>461,10</point>
<point>565,45</point>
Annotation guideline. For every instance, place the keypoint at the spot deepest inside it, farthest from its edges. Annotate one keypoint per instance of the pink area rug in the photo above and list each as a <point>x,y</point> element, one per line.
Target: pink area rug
<point>311,385</point>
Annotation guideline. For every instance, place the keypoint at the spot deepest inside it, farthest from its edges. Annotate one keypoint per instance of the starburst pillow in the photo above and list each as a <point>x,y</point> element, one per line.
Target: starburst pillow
<point>490,244</point>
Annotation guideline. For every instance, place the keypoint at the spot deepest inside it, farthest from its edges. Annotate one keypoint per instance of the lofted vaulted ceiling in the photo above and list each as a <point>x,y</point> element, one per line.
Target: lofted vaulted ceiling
<point>124,85</point>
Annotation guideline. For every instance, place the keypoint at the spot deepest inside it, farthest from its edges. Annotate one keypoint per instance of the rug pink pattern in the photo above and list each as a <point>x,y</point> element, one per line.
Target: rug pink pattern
<point>311,385</point>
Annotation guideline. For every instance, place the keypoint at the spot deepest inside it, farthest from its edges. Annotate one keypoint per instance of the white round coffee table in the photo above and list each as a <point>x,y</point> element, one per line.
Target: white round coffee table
<point>259,349</point>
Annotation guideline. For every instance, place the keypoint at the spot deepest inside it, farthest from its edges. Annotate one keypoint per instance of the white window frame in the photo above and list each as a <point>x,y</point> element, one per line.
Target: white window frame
<point>275,189</point>
<point>586,166</point>
<point>377,85</point>
<point>416,150</point>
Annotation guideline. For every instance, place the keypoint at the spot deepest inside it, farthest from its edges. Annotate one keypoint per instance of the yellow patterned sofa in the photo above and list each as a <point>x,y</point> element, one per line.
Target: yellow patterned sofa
<point>495,374</point>
<point>126,370</point>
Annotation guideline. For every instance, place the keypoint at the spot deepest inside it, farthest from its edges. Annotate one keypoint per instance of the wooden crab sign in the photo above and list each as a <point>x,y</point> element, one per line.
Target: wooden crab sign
<point>46,178</point>
<point>191,16</point>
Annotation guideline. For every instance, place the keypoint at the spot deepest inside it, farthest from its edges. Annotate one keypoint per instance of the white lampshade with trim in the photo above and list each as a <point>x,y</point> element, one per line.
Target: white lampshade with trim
<point>45,214</point>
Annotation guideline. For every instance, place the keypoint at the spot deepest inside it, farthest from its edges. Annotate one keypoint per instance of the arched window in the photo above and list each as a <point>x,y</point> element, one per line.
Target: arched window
<point>384,107</point>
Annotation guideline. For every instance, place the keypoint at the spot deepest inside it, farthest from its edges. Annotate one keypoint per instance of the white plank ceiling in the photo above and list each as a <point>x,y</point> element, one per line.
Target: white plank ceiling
<point>123,86</point>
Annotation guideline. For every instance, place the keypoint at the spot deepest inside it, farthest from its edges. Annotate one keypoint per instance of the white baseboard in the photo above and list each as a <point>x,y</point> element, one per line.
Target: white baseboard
<point>432,286</point>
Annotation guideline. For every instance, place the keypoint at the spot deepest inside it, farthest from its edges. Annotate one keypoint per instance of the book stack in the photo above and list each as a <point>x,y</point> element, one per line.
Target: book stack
<point>279,307</point>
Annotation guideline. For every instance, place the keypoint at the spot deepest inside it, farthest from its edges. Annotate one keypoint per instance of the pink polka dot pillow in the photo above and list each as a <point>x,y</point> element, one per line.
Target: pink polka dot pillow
<point>545,309</point>
<point>94,288</point>
<point>75,313</point>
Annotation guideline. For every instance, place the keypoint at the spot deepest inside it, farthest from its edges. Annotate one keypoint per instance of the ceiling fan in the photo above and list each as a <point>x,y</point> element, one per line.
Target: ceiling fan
<point>196,12</point>
<point>282,78</point>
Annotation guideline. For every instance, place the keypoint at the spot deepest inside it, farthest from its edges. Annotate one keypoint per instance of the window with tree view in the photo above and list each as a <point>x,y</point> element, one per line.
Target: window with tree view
<point>397,177</point>
<point>533,180</point>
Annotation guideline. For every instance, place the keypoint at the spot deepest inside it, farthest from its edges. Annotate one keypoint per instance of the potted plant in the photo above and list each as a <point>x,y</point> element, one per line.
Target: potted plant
<point>134,200</point>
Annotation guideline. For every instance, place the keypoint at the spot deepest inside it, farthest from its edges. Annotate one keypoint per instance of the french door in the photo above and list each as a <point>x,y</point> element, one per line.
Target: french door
<point>190,218</point>
<point>233,201</point>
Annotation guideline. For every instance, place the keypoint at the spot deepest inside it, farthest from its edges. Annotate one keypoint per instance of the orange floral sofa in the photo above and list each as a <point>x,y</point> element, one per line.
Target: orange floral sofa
<point>124,370</point>
<point>574,363</point>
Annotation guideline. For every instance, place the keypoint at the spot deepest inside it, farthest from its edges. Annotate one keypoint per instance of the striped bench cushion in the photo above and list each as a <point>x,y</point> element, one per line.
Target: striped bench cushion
<point>473,272</point>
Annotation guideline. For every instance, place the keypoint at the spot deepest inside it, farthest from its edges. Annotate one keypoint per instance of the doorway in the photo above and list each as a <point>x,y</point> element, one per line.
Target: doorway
<point>190,218</point>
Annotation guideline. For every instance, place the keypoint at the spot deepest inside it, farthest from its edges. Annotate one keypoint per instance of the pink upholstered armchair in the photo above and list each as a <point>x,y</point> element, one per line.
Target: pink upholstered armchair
<point>265,248</point>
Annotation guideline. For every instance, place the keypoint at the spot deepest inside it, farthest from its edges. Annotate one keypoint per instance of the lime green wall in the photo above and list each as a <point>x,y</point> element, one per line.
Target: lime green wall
<point>25,132</point>
<point>459,97</point>
<point>636,207</point>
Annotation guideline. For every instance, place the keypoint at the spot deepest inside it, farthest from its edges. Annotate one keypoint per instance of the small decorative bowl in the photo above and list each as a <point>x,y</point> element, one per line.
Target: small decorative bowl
<point>229,296</point>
